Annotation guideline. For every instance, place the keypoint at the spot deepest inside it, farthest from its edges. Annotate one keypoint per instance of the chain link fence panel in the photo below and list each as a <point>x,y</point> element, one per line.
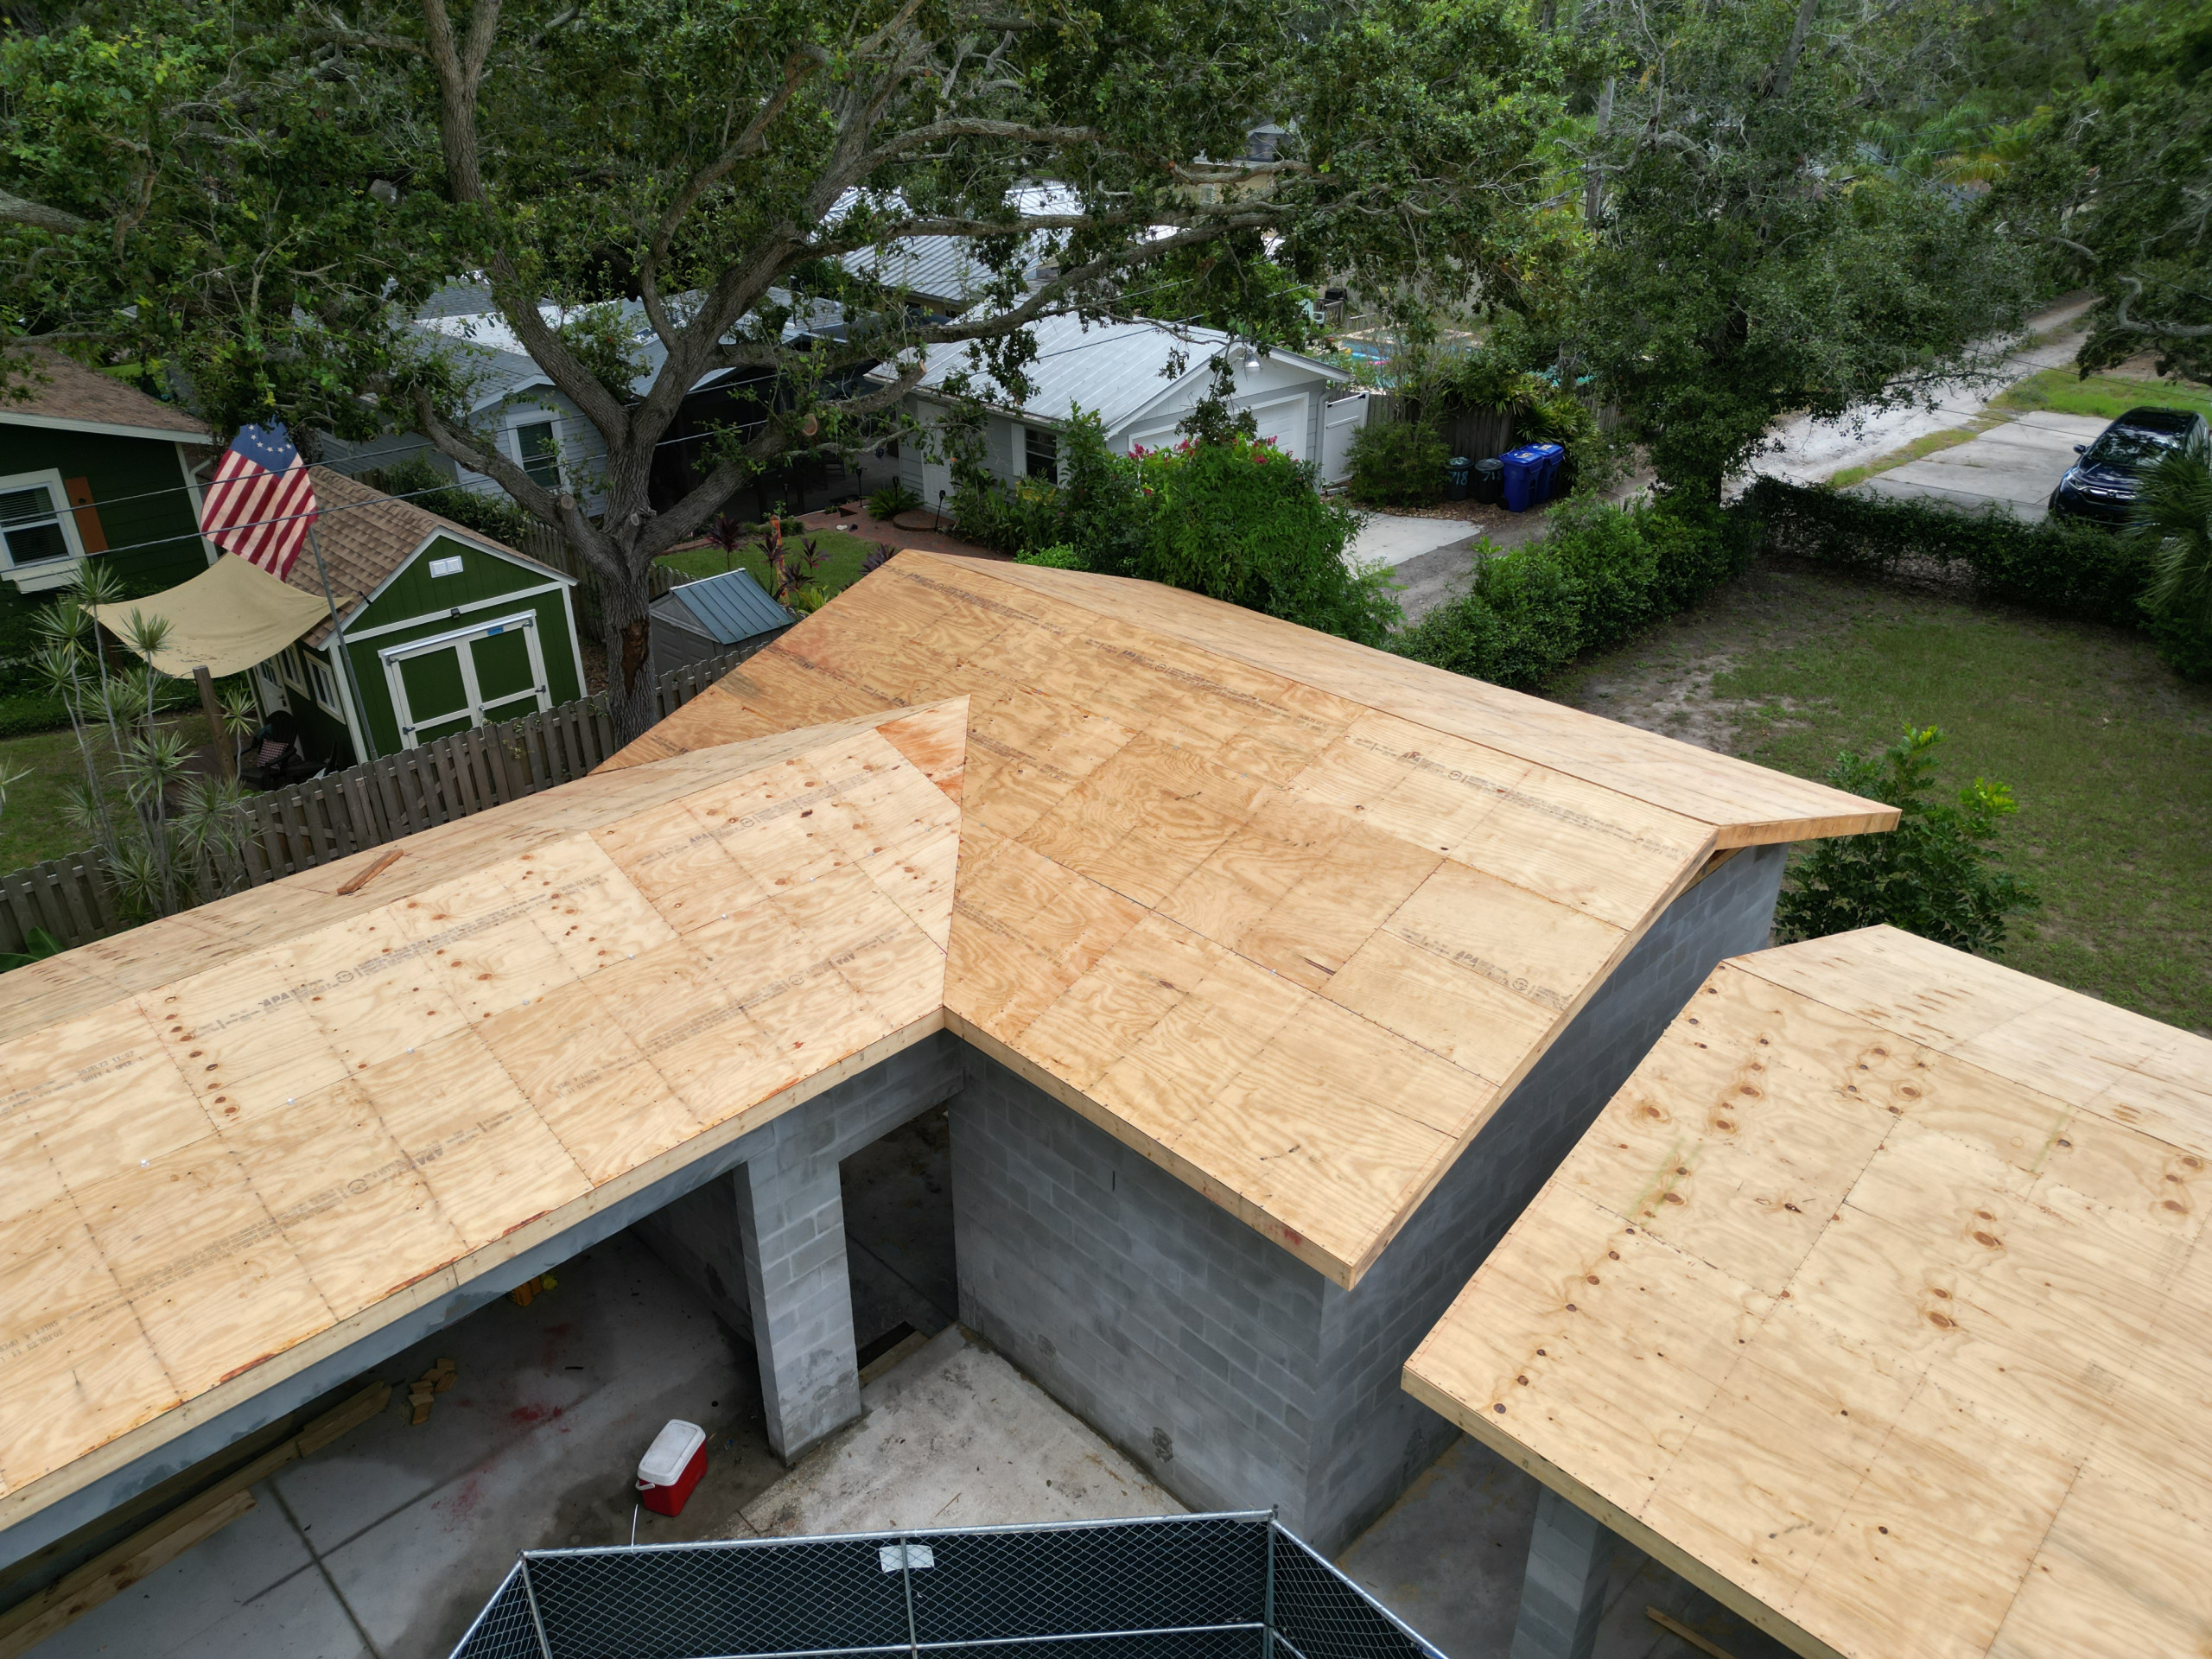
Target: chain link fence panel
<point>1200,1587</point>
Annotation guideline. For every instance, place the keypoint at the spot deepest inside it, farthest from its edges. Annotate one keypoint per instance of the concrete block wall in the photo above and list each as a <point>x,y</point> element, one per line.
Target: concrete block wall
<point>765,1243</point>
<point>1237,1376</point>
<point>1372,1436</point>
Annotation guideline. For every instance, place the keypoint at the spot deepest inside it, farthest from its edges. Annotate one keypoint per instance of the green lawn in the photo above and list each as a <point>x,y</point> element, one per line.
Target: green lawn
<point>2109,755</point>
<point>32,826</point>
<point>842,556</point>
<point>2106,396</point>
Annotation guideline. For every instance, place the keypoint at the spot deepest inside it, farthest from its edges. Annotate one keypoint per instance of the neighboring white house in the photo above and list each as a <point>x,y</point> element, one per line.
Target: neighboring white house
<point>536,425</point>
<point>1142,379</point>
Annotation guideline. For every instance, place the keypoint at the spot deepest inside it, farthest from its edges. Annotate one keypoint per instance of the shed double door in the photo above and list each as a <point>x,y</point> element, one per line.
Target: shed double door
<point>466,677</point>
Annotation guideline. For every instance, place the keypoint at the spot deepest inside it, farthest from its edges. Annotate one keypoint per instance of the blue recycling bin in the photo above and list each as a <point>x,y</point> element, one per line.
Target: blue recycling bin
<point>1524,476</point>
<point>1552,454</point>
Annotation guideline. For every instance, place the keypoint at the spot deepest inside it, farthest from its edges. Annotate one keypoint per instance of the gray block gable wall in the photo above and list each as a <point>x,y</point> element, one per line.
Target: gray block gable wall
<point>1237,1376</point>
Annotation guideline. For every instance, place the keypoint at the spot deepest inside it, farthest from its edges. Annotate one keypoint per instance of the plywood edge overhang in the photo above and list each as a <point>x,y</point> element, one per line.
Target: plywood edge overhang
<point>1338,1270</point>
<point>1879,1304</point>
<point>1623,1525</point>
<point>1747,805</point>
<point>849,974</point>
<point>472,1269</point>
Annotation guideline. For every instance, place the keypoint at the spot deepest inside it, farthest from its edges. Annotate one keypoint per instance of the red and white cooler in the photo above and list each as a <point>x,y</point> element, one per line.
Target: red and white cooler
<point>671,1467</point>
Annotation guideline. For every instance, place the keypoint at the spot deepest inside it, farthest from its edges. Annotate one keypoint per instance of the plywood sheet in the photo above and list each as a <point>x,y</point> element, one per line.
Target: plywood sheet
<point>235,1167</point>
<point>1186,827</point>
<point>1859,1304</point>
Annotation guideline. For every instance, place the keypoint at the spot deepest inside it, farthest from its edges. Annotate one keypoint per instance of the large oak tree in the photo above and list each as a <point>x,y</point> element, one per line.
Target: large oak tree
<point>254,197</point>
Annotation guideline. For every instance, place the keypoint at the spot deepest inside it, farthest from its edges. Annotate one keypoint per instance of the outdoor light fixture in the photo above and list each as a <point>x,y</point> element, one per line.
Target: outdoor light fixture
<point>1252,359</point>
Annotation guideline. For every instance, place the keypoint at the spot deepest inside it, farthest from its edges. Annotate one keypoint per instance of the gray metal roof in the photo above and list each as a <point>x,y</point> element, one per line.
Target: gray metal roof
<point>729,608</point>
<point>1111,368</point>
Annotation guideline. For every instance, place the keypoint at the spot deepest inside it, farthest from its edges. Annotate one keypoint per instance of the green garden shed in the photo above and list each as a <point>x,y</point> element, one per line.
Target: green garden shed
<point>90,466</point>
<point>442,628</point>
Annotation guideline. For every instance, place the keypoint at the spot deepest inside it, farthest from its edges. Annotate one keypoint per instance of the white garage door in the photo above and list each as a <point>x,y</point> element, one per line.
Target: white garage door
<point>1285,422</point>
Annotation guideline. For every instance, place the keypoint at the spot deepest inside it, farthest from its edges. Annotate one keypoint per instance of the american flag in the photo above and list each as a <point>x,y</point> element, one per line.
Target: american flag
<point>261,504</point>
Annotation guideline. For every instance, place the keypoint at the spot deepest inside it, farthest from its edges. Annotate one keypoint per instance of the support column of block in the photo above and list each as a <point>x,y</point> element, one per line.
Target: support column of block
<point>792,1217</point>
<point>1563,1595</point>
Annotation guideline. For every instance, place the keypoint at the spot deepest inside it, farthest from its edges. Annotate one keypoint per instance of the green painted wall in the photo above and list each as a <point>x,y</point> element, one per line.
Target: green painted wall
<point>155,530</point>
<point>425,605</point>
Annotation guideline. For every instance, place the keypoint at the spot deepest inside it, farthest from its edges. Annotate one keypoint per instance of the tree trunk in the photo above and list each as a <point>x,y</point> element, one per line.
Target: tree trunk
<point>631,681</point>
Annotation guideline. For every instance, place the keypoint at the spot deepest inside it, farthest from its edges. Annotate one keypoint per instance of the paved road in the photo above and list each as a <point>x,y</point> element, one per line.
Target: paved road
<point>2015,465</point>
<point>1810,452</point>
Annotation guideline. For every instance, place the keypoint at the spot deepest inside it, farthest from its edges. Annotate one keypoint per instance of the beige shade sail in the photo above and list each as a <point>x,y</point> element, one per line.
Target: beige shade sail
<point>224,619</point>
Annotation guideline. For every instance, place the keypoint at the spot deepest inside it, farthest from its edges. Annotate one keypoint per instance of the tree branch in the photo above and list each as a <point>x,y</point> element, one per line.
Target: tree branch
<point>2156,330</point>
<point>15,210</point>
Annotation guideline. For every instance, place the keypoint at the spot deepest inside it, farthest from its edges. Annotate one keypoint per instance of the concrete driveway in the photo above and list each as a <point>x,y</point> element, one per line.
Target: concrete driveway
<point>2015,465</point>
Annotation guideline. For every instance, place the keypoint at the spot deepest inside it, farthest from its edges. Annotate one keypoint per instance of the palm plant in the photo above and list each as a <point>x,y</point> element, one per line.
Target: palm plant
<point>2173,511</point>
<point>169,837</point>
<point>2173,515</point>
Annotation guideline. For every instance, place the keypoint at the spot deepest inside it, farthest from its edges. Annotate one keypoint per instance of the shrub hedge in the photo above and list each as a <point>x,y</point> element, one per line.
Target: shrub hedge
<point>2059,565</point>
<point>1397,463</point>
<point>1599,574</point>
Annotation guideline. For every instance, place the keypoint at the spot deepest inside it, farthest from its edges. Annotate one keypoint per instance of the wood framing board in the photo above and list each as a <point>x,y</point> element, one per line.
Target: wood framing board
<point>1878,1303</point>
<point>269,1149</point>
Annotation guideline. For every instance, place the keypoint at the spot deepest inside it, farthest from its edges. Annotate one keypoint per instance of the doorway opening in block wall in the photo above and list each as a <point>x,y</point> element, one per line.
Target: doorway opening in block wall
<point>898,1200</point>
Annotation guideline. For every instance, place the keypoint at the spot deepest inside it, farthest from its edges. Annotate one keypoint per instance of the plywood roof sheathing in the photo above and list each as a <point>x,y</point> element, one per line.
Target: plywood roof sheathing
<point>1287,917</point>
<point>1878,1303</point>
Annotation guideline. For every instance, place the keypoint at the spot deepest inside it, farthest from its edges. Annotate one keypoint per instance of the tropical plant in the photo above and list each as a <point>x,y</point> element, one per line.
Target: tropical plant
<point>728,534</point>
<point>168,836</point>
<point>1934,875</point>
<point>2173,513</point>
<point>894,498</point>
<point>42,944</point>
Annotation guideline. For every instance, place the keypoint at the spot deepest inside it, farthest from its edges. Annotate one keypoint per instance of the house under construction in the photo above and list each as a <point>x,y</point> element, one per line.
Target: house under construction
<point>1267,978</point>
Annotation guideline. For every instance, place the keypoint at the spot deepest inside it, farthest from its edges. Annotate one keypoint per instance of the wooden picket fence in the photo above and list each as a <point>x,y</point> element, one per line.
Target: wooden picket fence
<point>287,831</point>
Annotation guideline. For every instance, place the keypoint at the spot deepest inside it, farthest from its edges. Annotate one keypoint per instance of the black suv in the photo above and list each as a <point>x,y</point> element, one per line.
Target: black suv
<point>2101,485</point>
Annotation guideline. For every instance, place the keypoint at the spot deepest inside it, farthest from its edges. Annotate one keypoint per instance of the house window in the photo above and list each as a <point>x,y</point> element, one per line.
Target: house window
<point>326,682</point>
<point>34,526</point>
<point>1043,449</point>
<point>537,450</point>
<point>288,666</point>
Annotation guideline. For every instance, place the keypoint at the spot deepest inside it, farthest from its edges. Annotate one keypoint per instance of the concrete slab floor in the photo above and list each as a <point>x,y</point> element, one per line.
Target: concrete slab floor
<point>954,1436</point>
<point>1447,1558</point>
<point>386,1543</point>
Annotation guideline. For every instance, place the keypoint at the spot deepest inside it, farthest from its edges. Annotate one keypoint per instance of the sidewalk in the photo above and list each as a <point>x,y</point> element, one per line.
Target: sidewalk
<point>1812,452</point>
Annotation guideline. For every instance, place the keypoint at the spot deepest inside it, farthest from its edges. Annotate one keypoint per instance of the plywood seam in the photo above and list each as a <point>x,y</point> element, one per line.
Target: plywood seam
<point>1878,816</point>
<point>1888,1025</point>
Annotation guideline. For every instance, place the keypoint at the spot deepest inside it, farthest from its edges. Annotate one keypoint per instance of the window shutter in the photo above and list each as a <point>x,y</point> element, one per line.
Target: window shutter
<point>88,516</point>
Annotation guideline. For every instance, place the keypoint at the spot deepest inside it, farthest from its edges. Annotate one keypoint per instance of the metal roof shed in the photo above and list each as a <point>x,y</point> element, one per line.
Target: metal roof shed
<point>727,613</point>
<point>1879,1305</point>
